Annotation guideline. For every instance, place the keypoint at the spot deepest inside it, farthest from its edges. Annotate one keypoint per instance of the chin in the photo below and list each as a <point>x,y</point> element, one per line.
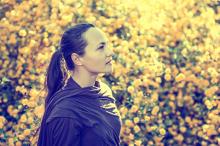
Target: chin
<point>105,70</point>
<point>108,69</point>
<point>108,72</point>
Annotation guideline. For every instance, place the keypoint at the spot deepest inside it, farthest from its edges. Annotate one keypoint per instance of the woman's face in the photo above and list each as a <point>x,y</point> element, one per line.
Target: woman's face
<point>98,56</point>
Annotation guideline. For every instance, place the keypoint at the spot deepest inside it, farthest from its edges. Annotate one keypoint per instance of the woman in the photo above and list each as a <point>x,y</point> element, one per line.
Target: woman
<point>82,110</point>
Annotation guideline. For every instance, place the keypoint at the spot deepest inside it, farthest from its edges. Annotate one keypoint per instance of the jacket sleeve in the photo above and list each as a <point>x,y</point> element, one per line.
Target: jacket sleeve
<point>64,132</point>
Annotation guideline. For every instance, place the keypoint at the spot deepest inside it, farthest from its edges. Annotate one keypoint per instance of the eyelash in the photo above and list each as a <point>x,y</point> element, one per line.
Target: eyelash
<point>100,48</point>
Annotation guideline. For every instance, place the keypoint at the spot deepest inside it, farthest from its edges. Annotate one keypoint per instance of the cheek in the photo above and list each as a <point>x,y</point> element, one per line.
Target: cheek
<point>95,62</point>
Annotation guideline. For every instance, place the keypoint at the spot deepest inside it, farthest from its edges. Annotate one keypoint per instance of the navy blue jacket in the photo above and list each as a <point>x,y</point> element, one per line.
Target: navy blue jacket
<point>78,116</point>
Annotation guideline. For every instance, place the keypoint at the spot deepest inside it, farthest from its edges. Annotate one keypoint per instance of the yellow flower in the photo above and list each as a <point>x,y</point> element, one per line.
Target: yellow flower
<point>208,104</point>
<point>30,120</point>
<point>147,118</point>
<point>167,77</point>
<point>137,100</point>
<point>21,137</point>
<point>205,127</point>
<point>140,94</point>
<point>128,123</point>
<point>123,110</point>
<point>188,119</point>
<point>154,127</point>
<point>180,77</point>
<point>23,118</point>
<point>158,79</point>
<point>24,101</point>
<point>138,142</point>
<point>2,121</point>
<point>183,129</point>
<point>136,120</point>
<point>33,93</point>
<point>131,89</point>
<point>22,32</point>
<point>136,129</point>
<point>171,104</point>
<point>137,83</point>
<point>162,131</point>
<point>200,133</point>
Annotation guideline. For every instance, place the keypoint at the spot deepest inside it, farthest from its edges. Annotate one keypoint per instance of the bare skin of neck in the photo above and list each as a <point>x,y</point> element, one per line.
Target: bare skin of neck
<point>83,77</point>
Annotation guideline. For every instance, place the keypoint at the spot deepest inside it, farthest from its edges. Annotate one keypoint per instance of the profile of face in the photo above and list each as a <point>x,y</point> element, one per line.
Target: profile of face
<point>97,57</point>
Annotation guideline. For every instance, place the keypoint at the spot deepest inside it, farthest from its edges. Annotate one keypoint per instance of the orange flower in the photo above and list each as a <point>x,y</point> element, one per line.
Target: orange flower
<point>155,110</point>
<point>11,141</point>
<point>131,136</point>
<point>39,110</point>
<point>179,137</point>
<point>27,132</point>
<point>33,93</point>
<point>211,91</point>
<point>138,142</point>
<point>23,118</point>
<point>12,39</point>
<point>2,121</point>
<point>134,109</point>
<point>18,143</point>
<point>154,97</point>
<point>188,119</point>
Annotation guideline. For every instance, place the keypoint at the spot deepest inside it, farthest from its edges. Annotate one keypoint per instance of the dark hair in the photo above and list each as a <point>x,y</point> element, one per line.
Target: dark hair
<point>71,42</point>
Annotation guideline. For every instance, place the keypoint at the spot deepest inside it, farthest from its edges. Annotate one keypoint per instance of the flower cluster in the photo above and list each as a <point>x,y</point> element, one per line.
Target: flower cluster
<point>166,66</point>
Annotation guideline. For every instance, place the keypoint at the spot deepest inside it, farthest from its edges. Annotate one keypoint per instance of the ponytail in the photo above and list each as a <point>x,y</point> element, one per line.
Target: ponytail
<point>55,76</point>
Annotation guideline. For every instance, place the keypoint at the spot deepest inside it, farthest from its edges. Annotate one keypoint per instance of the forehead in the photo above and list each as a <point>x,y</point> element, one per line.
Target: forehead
<point>94,36</point>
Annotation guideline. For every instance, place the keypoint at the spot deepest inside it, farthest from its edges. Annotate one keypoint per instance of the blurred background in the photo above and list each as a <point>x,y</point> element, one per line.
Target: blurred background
<point>166,66</point>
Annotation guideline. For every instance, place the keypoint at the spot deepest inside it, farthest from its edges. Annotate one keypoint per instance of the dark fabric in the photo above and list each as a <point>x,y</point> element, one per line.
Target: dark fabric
<point>81,117</point>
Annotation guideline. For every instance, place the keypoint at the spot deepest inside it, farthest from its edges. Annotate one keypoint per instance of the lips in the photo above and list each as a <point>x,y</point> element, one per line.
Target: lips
<point>108,62</point>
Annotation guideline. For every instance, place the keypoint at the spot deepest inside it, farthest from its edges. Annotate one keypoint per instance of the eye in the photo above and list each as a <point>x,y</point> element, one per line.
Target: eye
<point>101,47</point>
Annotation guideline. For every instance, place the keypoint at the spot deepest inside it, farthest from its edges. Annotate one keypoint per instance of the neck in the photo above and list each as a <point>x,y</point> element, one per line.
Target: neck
<point>83,78</point>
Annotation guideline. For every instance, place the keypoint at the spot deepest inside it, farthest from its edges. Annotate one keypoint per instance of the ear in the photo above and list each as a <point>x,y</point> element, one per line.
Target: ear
<point>76,59</point>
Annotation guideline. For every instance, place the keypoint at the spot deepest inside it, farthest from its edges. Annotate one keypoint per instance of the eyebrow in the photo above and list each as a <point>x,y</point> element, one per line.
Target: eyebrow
<point>102,43</point>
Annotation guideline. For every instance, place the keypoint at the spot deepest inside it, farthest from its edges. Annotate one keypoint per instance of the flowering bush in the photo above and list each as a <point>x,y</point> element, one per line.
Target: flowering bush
<point>166,66</point>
